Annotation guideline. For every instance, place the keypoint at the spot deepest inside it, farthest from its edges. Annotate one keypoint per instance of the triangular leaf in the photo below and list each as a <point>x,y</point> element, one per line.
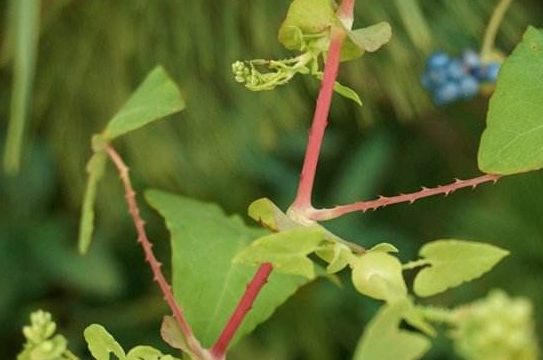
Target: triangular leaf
<point>383,340</point>
<point>287,251</point>
<point>453,262</point>
<point>101,343</point>
<point>371,38</point>
<point>511,142</point>
<point>156,97</point>
<point>205,281</point>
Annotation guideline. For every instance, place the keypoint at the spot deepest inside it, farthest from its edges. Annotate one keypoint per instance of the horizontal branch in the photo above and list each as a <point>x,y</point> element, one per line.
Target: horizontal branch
<point>382,201</point>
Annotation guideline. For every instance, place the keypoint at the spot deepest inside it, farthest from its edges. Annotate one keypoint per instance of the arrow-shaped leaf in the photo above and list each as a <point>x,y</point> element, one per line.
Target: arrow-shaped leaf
<point>453,262</point>
<point>156,97</point>
<point>512,141</point>
<point>205,281</point>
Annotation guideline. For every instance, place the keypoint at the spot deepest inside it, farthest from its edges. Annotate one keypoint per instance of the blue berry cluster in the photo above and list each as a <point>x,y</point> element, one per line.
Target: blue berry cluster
<point>452,78</point>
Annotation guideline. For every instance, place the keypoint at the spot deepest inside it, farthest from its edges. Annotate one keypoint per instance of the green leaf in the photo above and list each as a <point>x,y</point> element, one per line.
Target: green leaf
<point>101,343</point>
<point>385,247</point>
<point>347,92</point>
<point>147,353</point>
<point>24,33</point>
<point>338,257</point>
<point>511,142</point>
<point>306,17</point>
<point>205,281</point>
<point>287,250</point>
<point>95,169</point>
<point>172,334</point>
<point>370,39</point>
<point>156,97</point>
<point>453,262</point>
<point>383,340</point>
<point>269,215</point>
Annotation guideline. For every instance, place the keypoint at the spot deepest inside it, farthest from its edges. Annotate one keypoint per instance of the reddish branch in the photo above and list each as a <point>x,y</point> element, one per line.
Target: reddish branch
<point>307,177</point>
<point>327,214</point>
<point>130,194</point>
<point>244,306</point>
<point>320,120</point>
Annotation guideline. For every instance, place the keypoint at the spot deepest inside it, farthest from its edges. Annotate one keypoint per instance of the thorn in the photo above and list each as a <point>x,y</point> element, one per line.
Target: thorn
<point>457,180</point>
<point>424,188</point>
<point>381,198</point>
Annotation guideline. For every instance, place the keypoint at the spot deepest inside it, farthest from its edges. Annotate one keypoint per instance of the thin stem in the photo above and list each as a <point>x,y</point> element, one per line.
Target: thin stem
<point>415,264</point>
<point>320,120</point>
<point>492,28</point>
<point>244,306</point>
<point>382,201</point>
<point>302,202</point>
<point>130,195</point>
<point>437,315</point>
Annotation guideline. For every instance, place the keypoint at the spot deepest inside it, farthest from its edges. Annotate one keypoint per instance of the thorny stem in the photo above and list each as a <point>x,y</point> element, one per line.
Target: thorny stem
<point>492,28</point>
<point>244,306</point>
<point>320,120</point>
<point>130,195</point>
<point>382,201</point>
<point>303,198</point>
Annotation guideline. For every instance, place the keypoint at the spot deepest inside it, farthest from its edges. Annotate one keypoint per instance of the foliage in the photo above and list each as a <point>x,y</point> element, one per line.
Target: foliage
<point>511,142</point>
<point>203,236</point>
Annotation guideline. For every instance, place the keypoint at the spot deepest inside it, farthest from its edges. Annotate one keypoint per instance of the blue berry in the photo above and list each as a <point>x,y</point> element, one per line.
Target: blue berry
<point>438,60</point>
<point>469,87</point>
<point>453,78</point>
<point>471,59</point>
<point>490,72</point>
<point>456,70</point>
<point>446,94</point>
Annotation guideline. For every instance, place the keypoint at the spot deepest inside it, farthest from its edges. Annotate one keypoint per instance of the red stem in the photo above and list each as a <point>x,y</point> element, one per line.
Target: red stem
<point>320,120</point>
<point>139,223</point>
<point>382,201</point>
<point>244,306</point>
<point>346,12</point>
<point>307,177</point>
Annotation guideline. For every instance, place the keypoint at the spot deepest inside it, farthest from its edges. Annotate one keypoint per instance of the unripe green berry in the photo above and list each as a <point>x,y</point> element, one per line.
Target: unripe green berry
<point>379,275</point>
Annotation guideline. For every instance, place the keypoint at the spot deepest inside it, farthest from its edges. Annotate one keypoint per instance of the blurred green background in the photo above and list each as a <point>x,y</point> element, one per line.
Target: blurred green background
<point>232,146</point>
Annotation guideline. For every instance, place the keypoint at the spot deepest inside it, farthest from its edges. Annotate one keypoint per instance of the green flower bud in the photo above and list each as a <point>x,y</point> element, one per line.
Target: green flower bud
<point>495,328</point>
